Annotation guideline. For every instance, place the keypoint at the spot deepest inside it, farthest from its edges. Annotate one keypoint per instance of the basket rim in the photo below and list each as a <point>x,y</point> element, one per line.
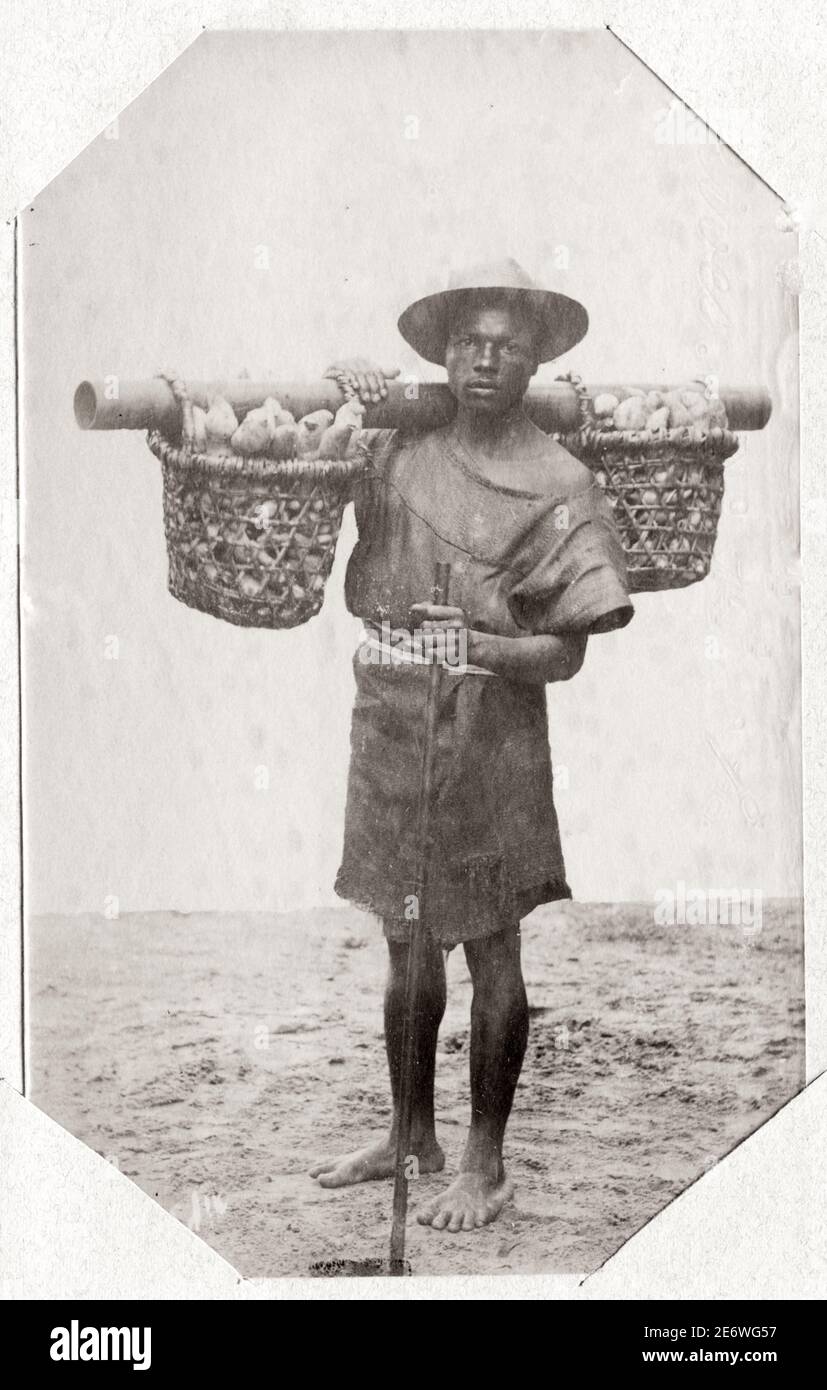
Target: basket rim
<point>716,442</point>
<point>258,467</point>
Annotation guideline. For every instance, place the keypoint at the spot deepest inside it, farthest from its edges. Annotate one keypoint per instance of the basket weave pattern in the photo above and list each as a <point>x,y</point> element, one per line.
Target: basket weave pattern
<point>665,488</point>
<point>251,541</point>
<point>666,491</point>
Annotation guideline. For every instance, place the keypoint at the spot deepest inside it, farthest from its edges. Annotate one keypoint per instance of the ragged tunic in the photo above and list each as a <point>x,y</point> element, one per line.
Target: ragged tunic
<point>522,563</point>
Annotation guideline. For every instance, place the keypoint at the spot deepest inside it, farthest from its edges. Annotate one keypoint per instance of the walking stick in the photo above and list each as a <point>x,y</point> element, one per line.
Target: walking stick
<point>416,950</point>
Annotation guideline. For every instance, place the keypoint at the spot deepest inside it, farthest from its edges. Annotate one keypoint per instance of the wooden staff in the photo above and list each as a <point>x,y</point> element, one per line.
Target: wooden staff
<point>416,949</point>
<point>553,406</point>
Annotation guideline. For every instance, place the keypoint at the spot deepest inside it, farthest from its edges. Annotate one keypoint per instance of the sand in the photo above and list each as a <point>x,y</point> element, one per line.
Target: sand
<point>214,1058</point>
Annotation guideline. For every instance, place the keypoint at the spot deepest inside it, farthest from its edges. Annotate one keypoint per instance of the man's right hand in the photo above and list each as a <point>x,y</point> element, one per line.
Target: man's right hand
<point>365,378</point>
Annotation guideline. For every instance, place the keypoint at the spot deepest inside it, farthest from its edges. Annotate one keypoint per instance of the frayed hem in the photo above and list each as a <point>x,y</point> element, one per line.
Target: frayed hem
<point>503,909</point>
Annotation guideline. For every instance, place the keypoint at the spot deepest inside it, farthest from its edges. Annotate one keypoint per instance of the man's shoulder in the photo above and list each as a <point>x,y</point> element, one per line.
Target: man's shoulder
<point>547,466</point>
<point>397,445</point>
<point>374,444</point>
<point>566,473</point>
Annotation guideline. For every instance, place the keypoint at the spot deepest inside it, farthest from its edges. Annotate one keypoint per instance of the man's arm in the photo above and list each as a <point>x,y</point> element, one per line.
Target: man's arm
<point>537,660</point>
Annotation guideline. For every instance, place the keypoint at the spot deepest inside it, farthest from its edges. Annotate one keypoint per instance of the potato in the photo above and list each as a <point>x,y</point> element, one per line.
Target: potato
<point>605,404</point>
<point>285,443</point>
<point>220,425</point>
<point>310,430</point>
<point>284,419</point>
<point>679,416</point>
<point>250,586</point>
<point>264,515</point>
<point>631,414</point>
<point>658,420</point>
<point>255,433</point>
<point>199,432</point>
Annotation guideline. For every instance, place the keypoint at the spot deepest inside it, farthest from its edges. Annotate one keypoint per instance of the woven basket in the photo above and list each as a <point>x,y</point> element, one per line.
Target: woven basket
<point>251,540</point>
<point>665,489</point>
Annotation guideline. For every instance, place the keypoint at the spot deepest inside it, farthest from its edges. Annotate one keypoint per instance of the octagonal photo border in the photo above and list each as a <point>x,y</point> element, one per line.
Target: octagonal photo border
<point>69,104</point>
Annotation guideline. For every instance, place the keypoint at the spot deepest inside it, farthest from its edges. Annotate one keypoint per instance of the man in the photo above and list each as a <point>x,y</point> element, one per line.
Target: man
<point>536,567</point>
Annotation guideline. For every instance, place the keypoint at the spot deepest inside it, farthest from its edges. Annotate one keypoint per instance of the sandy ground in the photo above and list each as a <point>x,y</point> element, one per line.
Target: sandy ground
<point>214,1058</point>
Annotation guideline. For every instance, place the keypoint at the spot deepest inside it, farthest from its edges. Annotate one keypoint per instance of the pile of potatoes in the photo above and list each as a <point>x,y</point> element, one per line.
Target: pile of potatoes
<point>667,515</point>
<point>279,544</point>
<point>234,538</point>
<point>271,431</point>
<point>689,408</point>
<point>666,509</point>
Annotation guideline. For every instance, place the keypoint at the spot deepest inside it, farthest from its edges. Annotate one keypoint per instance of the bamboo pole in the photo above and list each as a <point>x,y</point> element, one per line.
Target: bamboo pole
<point>150,404</point>
<point>416,950</point>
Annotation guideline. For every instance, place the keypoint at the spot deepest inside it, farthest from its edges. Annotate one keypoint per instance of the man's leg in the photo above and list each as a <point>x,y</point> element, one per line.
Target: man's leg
<point>377,1160</point>
<point>499,1033</point>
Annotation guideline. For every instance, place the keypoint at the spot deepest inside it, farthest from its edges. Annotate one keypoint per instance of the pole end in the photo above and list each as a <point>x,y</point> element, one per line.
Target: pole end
<point>86,405</point>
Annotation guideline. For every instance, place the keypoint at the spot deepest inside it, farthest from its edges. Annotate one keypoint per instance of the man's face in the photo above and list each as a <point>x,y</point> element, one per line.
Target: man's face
<point>490,357</point>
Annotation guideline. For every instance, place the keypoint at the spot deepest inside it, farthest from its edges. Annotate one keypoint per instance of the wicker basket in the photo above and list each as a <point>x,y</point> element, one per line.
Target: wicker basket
<point>251,540</point>
<point>666,490</point>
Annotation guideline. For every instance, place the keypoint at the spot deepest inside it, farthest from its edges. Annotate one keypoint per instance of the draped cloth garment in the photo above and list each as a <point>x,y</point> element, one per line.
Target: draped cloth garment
<point>522,563</point>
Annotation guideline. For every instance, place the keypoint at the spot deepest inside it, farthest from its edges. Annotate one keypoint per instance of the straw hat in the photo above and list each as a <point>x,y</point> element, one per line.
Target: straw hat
<point>563,321</point>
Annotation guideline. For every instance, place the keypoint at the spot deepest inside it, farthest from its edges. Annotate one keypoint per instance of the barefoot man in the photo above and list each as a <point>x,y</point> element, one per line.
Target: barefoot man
<point>536,567</point>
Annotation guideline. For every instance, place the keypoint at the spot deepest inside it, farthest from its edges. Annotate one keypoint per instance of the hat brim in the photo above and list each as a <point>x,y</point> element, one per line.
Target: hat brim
<point>563,321</point>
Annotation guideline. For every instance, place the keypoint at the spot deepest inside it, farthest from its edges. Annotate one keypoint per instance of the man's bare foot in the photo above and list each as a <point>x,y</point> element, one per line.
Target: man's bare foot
<point>375,1161</point>
<point>473,1199</point>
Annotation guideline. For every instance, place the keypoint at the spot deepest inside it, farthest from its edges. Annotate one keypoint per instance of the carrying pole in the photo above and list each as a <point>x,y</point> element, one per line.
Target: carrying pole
<point>416,949</point>
<point>552,405</point>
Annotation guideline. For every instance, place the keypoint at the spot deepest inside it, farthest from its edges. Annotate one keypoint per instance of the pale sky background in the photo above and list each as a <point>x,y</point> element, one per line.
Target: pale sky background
<point>678,743</point>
